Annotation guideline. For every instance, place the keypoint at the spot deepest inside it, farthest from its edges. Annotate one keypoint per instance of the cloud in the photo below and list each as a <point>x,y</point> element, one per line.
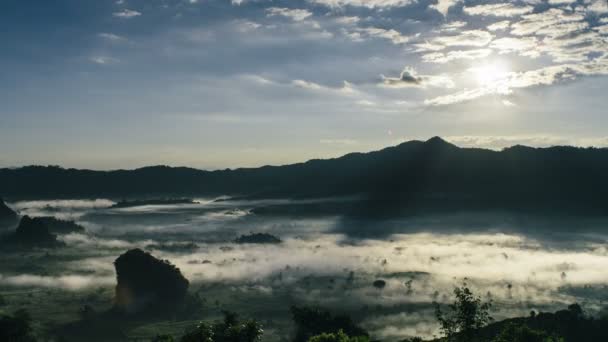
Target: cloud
<point>103,60</point>
<point>542,76</point>
<point>346,89</point>
<point>126,14</point>
<point>499,26</point>
<point>294,14</point>
<point>375,32</point>
<point>68,282</point>
<point>561,2</point>
<point>508,103</point>
<point>498,142</point>
<point>525,46</point>
<point>410,78</point>
<point>597,6</point>
<point>453,26</point>
<point>364,3</point>
<point>111,37</point>
<point>498,10</point>
<point>443,6</point>
<point>440,57</point>
<point>465,38</point>
<point>532,23</point>
<point>339,142</point>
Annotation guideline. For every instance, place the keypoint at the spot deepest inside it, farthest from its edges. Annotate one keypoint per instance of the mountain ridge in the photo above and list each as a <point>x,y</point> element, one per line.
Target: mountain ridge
<point>407,174</point>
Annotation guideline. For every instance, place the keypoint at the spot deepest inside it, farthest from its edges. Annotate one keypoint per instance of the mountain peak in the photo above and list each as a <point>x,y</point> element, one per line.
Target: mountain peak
<point>438,141</point>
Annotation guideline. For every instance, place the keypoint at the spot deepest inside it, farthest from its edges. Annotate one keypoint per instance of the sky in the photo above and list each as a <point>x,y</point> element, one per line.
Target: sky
<point>218,83</point>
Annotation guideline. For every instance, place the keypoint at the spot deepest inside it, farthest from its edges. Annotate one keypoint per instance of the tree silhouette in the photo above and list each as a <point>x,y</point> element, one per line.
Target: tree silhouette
<point>340,336</point>
<point>231,329</point>
<point>464,317</point>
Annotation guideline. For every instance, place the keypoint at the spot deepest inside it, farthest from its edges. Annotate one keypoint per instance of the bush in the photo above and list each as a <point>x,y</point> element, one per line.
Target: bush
<point>316,321</point>
<point>16,328</point>
<point>521,333</point>
<point>228,330</point>
<point>340,336</point>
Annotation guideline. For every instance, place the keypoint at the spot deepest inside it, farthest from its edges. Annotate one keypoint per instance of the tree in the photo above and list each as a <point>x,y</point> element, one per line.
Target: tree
<point>312,321</point>
<point>513,332</point>
<point>17,327</point>
<point>465,315</point>
<point>228,330</point>
<point>340,336</point>
<point>163,338</point>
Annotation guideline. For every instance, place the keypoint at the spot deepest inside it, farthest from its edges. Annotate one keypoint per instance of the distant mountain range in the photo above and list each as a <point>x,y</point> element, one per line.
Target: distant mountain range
<point>412,174</point>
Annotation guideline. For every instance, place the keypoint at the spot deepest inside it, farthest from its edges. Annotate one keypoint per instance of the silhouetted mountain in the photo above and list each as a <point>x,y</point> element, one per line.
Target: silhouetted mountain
<point>7,215</point>
<point>139,203</point>
<point>32,232</point>
<point>59,226</point>
<point>258,238</point>
<point>413,175</point>
<point>147,283</point>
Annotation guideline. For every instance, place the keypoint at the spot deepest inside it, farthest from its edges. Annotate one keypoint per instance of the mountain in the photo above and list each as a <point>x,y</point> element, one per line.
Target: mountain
<point>7,215</point>
<point>413,174</point>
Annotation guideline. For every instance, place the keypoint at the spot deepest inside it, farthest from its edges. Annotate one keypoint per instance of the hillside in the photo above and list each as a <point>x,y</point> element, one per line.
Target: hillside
<point>415,173</point>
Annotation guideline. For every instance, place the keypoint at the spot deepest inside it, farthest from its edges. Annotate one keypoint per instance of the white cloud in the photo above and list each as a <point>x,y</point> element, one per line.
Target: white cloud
<point>526,46</point>
<point>513,80</point>
<point>347,20</point>
<point>364,3</point>
<point>453,26</point>
<point>339,142</point>
<point>532,23</point>
<point>498,10</point>
<point>464,38</point>
<point>597,6</point>
<point>346,89</point>
<point>443,6</point>
<point>498,142</point>
<point>440,57</point>
<point>392,35</point>
<point>508,103</point>
<point>410,78</point>
<point>561,2</point>
<point>103,60</point>
<point>111,37</point>
<point>294,14</point>
<point>126,14</point>
<point>499,26</point>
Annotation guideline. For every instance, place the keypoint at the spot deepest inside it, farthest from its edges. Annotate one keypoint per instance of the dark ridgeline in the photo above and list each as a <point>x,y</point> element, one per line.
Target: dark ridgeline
<point>414,174</point>
<point>146,284</point>
<point>138,203</point>
<point>7,215</point>
<point>262,238</point>
<point>32,232</point>
<point>59,226</point>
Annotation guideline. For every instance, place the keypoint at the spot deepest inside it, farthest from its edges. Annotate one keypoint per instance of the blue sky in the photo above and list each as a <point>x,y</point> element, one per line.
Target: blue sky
<point>219,83</point>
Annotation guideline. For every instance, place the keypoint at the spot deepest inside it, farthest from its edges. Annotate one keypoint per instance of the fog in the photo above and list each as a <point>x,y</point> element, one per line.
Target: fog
<point>313,264</point>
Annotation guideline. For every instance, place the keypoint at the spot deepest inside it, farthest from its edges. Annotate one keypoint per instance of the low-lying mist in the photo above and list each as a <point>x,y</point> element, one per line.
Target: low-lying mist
<point>320,261</point>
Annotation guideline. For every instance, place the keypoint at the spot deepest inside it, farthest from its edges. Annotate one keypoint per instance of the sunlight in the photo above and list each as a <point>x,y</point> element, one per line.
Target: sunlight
<point>490,73</point>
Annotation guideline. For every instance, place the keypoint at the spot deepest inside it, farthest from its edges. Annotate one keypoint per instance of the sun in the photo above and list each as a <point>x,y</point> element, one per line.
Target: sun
<point>490,73</point>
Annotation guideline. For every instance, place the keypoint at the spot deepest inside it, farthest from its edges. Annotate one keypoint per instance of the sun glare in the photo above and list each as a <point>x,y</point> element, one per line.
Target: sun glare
<point>488,74</point>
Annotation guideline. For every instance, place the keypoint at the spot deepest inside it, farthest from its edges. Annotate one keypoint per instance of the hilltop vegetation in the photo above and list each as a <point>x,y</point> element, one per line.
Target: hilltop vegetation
<point>414,175</point>
<point>32,232</point>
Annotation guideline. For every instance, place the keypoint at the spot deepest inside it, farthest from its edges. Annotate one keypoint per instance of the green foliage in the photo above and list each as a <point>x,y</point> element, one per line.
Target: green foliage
<point>228,330</point>
<point>316,321</point>
<point>467,314</point>
<point>340,336</point>
<point>16,328</point>
<point>513,332</point>
<point>163,338</point>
